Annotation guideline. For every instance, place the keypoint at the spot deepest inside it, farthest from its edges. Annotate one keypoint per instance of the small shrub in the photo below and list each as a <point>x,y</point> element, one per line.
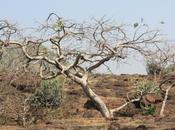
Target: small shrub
<point>49,95</point>
<point>153,68</point>
<point>146,87</point>
<point>169,69</point>
<point>149,110</point>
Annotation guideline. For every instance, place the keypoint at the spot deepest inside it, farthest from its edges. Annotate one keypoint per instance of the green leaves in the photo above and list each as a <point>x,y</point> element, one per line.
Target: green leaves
<point>147,86</point>
<point>49,95</point>
<point>58,25</point>
<point>149,110</point>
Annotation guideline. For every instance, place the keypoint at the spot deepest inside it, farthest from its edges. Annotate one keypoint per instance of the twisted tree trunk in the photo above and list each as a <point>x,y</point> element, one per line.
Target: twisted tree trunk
<point>97,101</point>
<point>90,94</point>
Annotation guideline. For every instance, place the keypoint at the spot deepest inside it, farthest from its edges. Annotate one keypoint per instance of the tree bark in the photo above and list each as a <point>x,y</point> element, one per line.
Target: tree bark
<point>164,101</point>
<point>90,94</point>
<point>97,101</point>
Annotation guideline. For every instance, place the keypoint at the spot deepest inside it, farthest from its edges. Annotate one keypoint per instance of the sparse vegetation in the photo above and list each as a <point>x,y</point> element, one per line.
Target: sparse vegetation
<point>169,69</point>
<point>60,50</point>
<point>143,89</point>
<point>147,86</point>
<point>48,95</point>
<point>153,68</point>
<point>148,109</point>
<point>106,40</point>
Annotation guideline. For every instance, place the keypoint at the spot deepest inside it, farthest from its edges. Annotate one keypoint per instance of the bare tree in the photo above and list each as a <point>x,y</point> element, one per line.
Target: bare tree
<point>80,48</point>
<point>158,63</point>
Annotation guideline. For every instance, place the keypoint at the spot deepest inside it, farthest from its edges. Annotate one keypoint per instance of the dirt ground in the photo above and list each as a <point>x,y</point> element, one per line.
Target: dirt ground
<point>77,114</point>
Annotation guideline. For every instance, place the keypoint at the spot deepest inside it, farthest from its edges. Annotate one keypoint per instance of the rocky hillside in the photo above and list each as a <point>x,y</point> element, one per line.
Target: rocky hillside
<point>78,113</point>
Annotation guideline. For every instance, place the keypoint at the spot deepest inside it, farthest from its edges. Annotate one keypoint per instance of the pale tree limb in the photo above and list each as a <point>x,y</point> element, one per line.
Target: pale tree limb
<point>54,75</point>
<point>124,105</point>
<point>164,101</point>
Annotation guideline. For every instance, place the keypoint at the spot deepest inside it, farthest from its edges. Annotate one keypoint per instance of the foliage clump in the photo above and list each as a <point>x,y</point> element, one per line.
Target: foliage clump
<point>153,68</point>
<point>146,87</point>
<point>169,69</point>
<point>156,68</point>
<point>149,110</point>
<point>49,95</point>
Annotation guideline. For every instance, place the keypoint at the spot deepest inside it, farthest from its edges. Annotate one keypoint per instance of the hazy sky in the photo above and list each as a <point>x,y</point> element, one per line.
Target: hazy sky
<point>29,13</point>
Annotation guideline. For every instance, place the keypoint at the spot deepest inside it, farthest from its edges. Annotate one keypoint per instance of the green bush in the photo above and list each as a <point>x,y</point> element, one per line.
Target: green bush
<point>49,95</point>
<point>143,88</point>
<point>149,110</point>
<point>153,68</point>
<point>147,86</point>
<point>169,69</point>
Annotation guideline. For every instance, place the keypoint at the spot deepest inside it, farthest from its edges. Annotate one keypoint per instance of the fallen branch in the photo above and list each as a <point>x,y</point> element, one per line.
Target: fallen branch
<point>122,106</point>
<point>164,101</point>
